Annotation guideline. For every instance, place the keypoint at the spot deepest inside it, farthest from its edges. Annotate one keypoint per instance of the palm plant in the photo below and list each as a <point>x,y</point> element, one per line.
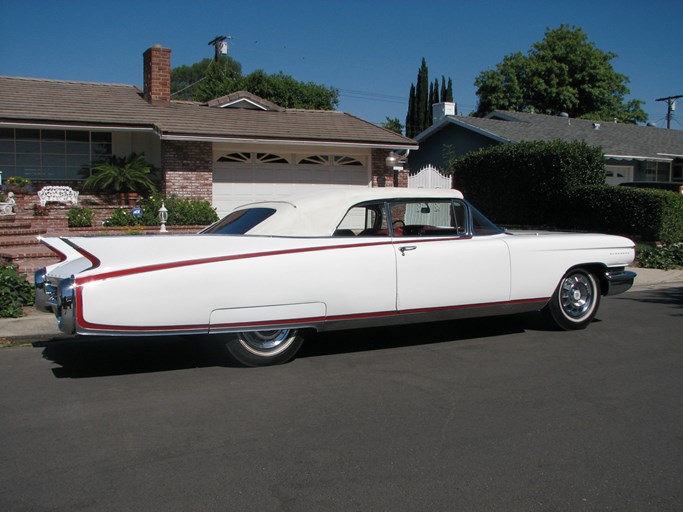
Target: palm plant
<point>121,176</point>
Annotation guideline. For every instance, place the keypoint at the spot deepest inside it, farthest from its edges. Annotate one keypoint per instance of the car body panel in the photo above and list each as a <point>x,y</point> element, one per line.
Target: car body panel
<point>439,272</point>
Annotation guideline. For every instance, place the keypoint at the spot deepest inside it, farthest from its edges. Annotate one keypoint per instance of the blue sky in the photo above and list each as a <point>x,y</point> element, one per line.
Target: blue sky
<point>370,50</point>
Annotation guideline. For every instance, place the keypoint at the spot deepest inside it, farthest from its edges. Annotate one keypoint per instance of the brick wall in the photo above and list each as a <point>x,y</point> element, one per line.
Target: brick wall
<point>401,179</point>
<point>381,176</point>
<point>187,168</point>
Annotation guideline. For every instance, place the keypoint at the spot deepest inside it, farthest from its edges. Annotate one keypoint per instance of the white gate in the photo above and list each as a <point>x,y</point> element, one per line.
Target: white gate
<point>428,177</point>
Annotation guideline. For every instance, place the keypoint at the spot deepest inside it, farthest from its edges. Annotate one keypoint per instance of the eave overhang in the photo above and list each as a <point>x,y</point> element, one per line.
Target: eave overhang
<point>639,158</point>
<point>51,125</point>
<point>236,139</point>
<point>448,120</point>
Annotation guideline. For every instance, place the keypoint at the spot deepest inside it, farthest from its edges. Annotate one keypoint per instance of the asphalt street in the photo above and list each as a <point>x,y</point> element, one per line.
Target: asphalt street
<point>476,415</point>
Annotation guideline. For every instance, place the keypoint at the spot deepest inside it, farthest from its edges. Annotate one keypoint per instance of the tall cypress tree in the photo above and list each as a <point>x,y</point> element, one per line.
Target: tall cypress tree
<point>410,116</point>
<point>434,99</point>
<point>449,93</point>
<point>430,103</point>
<point>422,98</point>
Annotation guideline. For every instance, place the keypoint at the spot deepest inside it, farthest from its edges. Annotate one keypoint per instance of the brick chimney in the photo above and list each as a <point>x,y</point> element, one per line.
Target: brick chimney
<point>157,75</point>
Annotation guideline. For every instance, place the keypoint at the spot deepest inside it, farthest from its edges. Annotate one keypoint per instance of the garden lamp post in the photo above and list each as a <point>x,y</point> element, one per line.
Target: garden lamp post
<point>163,217</point>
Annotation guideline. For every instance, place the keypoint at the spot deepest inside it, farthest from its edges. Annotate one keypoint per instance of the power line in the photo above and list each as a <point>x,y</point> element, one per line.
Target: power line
<point>365,95</point>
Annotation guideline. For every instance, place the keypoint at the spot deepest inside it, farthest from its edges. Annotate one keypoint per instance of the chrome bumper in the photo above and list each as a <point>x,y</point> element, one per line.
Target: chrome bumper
<point>66,306</point>
<point>46,294</point>
<point>619,281</point>
<point>58,299</point>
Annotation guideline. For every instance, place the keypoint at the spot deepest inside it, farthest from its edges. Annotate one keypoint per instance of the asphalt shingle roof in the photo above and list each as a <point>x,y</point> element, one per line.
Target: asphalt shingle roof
<point>617,139</point>
<point>40,101</point>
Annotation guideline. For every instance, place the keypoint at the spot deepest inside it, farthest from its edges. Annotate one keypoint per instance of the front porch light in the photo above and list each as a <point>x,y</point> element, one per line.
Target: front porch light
<point>392,160</point>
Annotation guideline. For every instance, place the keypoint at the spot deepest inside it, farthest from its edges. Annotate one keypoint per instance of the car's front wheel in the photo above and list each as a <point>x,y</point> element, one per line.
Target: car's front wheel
<point>575,301</point>
<point>264,348</point>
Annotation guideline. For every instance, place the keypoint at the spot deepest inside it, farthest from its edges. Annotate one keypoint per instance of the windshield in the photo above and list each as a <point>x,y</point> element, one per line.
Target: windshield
<point>239,222</point>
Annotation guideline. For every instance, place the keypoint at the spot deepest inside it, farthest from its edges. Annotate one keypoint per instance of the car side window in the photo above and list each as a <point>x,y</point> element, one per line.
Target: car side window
<point>481,225</point>
<point>240,222</point>
<point>364,220</point>
<point>428,218</point>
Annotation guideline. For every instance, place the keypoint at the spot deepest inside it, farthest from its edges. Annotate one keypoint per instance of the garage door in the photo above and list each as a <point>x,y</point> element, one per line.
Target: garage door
<point>245,177</point>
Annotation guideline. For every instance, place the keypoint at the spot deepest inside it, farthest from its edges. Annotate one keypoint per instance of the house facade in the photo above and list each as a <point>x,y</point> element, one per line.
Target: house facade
<point>232,150</point>
<point>632,153</point>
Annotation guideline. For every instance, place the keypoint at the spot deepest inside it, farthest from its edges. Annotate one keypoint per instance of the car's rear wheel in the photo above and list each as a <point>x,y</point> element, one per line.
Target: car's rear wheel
<point>575,301</point>
<point>264,348</point>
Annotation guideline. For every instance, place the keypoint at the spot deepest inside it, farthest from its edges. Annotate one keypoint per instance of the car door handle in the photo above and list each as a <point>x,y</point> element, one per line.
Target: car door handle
<point>407,248</point>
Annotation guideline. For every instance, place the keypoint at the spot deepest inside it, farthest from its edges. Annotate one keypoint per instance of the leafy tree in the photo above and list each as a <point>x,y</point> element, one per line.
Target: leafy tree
<point>184,79</point>
<point>503,88</point>
<point>208,79</point>
<point>393,124</point>
<point>287,92</point>
<point>219,79</point>
<point>422,98</point>
<point>562,73</point>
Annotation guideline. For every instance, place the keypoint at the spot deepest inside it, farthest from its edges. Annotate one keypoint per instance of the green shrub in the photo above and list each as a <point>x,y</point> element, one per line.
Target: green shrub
<point>122,217</point>
<point>79,217</point>
<point>181,212</point>
<point>664,258</point>
<point>647,214</point>
<point>520,184</point>
<point>15,292</point>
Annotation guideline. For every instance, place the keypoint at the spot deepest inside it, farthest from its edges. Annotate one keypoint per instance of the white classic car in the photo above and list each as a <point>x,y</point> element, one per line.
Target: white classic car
<point>354,257</point>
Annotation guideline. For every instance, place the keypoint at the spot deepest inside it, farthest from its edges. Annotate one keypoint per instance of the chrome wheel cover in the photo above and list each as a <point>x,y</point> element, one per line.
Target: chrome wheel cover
<point>268,343</point>
<point>577,296</point>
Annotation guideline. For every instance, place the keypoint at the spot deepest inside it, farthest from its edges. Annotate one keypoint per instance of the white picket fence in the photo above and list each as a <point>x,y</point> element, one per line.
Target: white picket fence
<point>428,177</point>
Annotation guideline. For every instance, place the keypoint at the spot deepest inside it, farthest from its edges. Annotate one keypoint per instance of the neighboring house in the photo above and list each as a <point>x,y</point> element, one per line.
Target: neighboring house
<point>632,153</point>
<point>232,150</point>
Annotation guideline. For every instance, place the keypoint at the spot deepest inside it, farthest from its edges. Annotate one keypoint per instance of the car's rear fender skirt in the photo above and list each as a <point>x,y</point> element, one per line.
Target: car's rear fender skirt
<point>309,315</point>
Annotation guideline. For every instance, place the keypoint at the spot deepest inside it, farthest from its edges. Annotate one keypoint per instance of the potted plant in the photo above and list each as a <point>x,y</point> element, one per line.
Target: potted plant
<point>18,185</point>
<point>125,177</point>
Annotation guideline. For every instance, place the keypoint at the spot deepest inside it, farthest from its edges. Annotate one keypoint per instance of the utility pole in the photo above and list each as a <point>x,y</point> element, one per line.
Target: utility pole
<point>671,106</point>
<point>221,46</point>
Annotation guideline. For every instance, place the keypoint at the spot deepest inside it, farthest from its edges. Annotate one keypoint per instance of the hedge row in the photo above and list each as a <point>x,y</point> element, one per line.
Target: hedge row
<point>523,183</point>
<point>562,184</point>
<point>650,215</point>
<point>181,212</point>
